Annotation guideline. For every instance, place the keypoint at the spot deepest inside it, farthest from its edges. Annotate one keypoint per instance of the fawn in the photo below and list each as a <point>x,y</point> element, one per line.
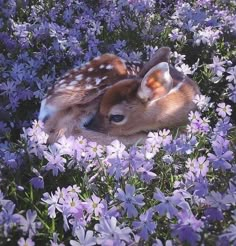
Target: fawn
<point>110,99</point>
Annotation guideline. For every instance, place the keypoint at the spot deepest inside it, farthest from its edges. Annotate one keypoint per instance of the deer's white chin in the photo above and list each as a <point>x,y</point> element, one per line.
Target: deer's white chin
<point>46,111</point>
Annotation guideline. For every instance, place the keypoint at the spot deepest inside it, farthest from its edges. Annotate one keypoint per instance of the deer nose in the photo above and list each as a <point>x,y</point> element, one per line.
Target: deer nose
<point>96,124</point>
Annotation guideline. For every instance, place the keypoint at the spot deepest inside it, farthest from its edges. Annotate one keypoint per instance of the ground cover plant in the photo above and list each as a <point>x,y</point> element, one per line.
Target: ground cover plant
<point>176,189</point>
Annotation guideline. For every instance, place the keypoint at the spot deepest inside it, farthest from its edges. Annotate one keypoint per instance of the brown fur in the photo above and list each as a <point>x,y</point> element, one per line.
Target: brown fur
<point>167,112</point>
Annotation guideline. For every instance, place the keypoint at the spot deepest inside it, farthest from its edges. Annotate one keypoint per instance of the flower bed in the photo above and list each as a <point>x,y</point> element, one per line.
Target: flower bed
<point>177,188</point>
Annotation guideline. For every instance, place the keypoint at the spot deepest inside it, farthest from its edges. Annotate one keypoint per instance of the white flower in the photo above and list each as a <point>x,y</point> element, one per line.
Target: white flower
<point>202,102</point>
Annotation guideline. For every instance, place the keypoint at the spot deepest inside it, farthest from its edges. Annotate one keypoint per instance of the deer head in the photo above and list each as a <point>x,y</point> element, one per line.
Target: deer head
<point>82,85</point>
<point>161,99</point>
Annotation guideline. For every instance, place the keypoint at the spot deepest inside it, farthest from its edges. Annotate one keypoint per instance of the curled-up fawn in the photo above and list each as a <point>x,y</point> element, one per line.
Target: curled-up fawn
<point>110,99</point>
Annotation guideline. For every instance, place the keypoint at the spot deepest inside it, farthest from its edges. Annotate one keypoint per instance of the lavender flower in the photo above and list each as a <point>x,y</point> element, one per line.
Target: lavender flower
<point>232,92</point>
<point>7,217</point>
<point>55,239</point>
<point>53,202</point>
<point>110,233</point>
<point>224,110</point>
<point>55,161</point>
<point>94,150</point>
<point>232,74</point>
<point>230,233</point>
<point>129,200</point>
<point>201,166</point>
<point>217,200</point>
<point>25,242</point>
<point>217,66</point>
<point>84,238</point>
<point>28,224</point>
<point>146,225</point>
<point>116,149</point>
<point>37,182</point>
<point>222,156</point>
<point>202,102</point>
<point>167,205</point>
<point>95,205</point>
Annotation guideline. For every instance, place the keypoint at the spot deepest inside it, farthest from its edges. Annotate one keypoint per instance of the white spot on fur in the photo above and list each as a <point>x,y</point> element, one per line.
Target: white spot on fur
<point>109,67</point>
<point>70,87</point>
<point>98,81</point>
<point>61,82</point>
<point>76,69</point>
<point>46,110</point>
<point>63,85</point>
<point>90,69</point>
<point>79,77</point>
<point>73,82</point>
<point>102,66</point>
<point>89,87</point>
<point>97,58</point>
<point>105,77</point>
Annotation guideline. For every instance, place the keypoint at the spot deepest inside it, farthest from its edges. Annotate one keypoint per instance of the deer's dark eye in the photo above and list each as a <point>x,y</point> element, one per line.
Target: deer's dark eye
<point>116,117</point>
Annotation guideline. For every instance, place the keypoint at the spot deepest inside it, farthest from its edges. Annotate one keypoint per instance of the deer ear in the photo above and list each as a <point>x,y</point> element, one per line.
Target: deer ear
<point>156,83</point>
<point>162,55</point>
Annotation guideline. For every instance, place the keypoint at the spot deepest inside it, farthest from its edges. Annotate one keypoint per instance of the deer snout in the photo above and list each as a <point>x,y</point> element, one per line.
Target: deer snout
<point>96,124</point>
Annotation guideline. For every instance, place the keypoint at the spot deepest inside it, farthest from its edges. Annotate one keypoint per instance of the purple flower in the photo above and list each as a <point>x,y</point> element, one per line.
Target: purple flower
<point>73,205</point>
<point>117,167</point>
<point>37,182</point>
<point>65,145</point>
<point>129,200</point>
<point>202,102</point>
<point>224,110</point>
<point>187,228</point>
<point>232,92</point>
<point>55,161</point>
<point>146,225</point>
<point>94,150</point>
<point>213,214</point>
<point>222,155</point>
<point>25,242</point>
<point>109,233</point>
<point>3,201</point>
<point>222,126</point>
<point>185,234</point>
<point>230,233</point>
<point>53,202</point>
<point>167,205</point>
<point>217,200</point>
<point>197,124</point>
<point>7,217</point>
<point>55,239</point>
<point>84,238</point>
<point>201,166</point>
<point>232,74</point>
<point>206,36</point>
<point>145,172</point>
<point>28,224</point>
<point>153,144</point>
<point>95,205</point>
<point>158,242</point>
<point>116,149</point>
<point>176,35</point>
<point>217,66</point>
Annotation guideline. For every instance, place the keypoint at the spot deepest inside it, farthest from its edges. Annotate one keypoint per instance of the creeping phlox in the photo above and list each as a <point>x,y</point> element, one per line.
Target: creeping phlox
<point>178,188</point>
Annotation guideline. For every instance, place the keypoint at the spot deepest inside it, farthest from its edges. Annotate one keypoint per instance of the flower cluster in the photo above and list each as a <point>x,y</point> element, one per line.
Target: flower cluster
<point>179,187</point>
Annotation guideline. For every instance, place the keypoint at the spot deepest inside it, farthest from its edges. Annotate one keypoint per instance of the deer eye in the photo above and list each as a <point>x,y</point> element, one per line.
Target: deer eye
<point>116,117</point>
